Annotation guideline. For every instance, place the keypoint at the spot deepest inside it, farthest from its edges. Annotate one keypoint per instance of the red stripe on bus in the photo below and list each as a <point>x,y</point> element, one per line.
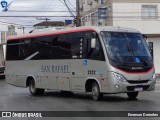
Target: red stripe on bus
<point>135,72</point>
<point>53,33</point>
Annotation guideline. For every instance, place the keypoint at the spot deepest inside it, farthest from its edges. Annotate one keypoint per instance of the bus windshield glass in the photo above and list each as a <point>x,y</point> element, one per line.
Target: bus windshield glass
<point>126,47</point>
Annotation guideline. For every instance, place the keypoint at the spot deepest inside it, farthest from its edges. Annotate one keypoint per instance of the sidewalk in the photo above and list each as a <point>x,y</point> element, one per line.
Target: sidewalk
<point>158,77</point>
<point>158,83</point>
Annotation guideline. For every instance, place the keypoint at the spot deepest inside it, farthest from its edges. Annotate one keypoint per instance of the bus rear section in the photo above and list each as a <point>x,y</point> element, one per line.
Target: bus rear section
<point>99,60</point>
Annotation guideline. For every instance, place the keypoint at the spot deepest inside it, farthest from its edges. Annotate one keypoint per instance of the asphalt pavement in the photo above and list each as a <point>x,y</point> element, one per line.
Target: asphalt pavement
<point>19,99</point>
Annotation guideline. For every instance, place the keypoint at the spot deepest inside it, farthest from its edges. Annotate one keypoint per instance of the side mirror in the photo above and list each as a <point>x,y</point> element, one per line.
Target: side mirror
<point>144,37</point>
<point>93,43</point>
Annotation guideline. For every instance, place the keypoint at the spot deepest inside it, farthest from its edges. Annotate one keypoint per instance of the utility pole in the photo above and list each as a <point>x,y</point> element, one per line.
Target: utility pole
<point>77,7</point>
<point>47,22</point>
<point>23,30</point>
<point>78,18</point>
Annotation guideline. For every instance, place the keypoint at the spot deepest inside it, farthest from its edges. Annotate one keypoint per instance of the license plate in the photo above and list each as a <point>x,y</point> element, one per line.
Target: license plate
<point>138,89</point>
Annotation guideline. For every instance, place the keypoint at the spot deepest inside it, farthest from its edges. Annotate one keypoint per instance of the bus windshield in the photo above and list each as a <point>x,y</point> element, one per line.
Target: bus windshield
<point>126,47</point>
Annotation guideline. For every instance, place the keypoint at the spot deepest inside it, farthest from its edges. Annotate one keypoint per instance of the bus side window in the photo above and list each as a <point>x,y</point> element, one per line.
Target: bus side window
<point>93,53</point>
<point>44,45</point>
<point>77,40</point>
<point>27,48</point>
<point>13,46</point>
<point>64,46</point>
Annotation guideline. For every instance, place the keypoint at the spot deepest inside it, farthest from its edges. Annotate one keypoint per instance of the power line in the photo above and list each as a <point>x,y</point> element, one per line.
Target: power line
<point>122,12</point>
<point>71,9</point>
<point>118,16</point>
<point>61,2</point>
<point>9,23</point>
<point>71,4</point>
<point>15,24</point>
<point>34,16</point>
<point>38,11</point>
<point>68,8</point>
<point>74,11</point>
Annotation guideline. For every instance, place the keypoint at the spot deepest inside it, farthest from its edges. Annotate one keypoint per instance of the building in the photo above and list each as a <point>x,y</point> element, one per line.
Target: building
<point>89,12</point>
<point>143,15</point>
<point>5,31</point>
<point>47,24</point>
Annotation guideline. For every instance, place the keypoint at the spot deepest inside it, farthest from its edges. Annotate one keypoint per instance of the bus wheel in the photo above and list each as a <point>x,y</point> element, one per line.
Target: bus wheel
<point>33,90</point>
<point>96,95</point>
<point>132,95</point>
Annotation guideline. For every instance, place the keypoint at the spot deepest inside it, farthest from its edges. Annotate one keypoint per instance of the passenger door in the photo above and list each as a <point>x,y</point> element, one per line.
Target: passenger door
<point>77,68</point>
<point>62,52</point>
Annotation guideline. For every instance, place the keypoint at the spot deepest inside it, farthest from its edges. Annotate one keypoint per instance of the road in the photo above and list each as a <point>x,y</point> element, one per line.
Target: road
<point>19,99</point>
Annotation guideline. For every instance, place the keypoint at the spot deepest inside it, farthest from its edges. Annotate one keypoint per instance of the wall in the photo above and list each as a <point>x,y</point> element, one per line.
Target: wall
<point>88,8</point>
<point>89,13</point>
<point>128,14</point>
<point>3,27</point>
<point>156,53</point>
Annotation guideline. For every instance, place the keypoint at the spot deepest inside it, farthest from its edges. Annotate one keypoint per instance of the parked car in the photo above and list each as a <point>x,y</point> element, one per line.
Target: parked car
<point>2,71</point>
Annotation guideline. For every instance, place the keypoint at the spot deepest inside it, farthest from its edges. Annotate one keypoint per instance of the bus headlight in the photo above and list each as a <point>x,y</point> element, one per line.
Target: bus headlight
<point>153,76</point>
<point>118,77</point>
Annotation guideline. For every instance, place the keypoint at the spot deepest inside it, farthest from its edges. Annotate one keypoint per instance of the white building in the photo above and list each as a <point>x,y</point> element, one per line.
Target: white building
<point>89,12</point>
<point>143,15</point>
<point>5,31</point>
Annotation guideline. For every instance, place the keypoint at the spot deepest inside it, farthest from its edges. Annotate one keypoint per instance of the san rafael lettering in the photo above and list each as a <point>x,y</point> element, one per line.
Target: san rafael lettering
<point>55,69</point>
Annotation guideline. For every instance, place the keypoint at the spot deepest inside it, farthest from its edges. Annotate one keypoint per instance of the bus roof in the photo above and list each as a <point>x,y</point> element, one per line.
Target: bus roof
<point>72,30</point>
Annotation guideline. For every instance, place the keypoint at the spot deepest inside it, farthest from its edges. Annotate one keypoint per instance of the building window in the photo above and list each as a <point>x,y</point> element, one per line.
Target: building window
<point>94,19</point>
<point>149,11</point>
<point>88,18</point>
<point>102,2</point>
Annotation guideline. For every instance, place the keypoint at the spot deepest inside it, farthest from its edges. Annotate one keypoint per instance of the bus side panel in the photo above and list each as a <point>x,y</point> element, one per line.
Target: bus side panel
<point>18,71</point>
<point>49,82</point>
<point>77,75</point>
<point>64,83</point>
<point>11,78</point>
<point>62,70</point>
<point>55,74</point>
<point>98,70</point>
<point>21,80</point>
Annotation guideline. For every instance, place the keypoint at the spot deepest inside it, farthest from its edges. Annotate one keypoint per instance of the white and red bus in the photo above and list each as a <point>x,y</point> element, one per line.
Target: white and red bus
<point>100,60</point>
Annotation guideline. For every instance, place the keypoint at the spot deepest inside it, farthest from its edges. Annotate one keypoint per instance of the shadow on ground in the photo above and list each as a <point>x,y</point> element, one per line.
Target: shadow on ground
<point>81,96</point>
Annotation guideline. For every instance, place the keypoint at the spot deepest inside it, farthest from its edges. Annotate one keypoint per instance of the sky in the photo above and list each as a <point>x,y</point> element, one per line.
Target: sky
<point>29,12</point>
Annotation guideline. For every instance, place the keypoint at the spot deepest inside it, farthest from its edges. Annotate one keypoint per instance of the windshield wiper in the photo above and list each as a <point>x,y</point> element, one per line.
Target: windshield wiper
<point>130,49</point>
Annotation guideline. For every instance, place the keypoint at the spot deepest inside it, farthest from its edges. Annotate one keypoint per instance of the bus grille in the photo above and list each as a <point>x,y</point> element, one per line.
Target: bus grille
<point>137,81</point>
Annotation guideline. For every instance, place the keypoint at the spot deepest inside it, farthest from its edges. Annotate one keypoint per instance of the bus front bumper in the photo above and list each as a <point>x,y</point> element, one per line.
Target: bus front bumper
<point>124,87</point>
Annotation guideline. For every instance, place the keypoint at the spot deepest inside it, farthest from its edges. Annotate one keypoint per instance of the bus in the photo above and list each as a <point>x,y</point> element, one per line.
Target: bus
<point>93,60</point>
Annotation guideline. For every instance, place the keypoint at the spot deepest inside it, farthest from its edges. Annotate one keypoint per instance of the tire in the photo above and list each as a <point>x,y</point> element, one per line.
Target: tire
<point>132,95</point>
<point>33,90</point>
<point>96,95</point>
